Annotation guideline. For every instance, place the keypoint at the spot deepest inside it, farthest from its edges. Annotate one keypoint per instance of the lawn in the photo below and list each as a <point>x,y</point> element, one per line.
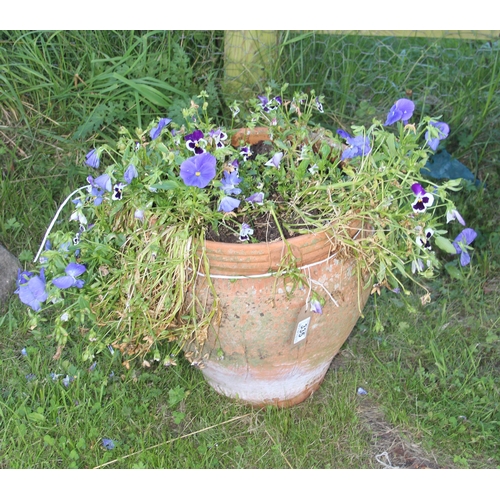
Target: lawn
<point>431,372</point>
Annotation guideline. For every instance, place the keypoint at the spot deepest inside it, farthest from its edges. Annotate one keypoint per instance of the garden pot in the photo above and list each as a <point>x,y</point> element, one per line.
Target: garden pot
<point>266,348</point>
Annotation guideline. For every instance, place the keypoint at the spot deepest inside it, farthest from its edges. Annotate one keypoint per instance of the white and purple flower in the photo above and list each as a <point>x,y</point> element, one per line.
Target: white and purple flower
<point>195,142</point>
<point>423,200</point>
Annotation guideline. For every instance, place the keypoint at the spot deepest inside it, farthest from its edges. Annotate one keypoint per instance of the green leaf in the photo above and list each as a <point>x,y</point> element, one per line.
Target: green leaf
<point>49,440</point>
<point>445,244</point>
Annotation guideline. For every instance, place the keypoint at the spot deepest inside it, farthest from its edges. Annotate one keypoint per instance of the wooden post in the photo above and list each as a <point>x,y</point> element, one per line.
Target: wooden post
<point>247,57</point>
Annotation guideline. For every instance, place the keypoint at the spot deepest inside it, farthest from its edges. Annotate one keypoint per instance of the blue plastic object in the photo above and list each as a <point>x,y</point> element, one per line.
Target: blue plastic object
<point>443,166</point>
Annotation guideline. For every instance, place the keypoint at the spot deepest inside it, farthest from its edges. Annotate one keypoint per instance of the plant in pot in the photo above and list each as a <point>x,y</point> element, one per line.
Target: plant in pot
<point>252,250</point>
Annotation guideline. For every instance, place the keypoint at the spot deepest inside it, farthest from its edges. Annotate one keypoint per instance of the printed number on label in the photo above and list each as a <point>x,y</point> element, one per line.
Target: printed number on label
<point>301,331</point>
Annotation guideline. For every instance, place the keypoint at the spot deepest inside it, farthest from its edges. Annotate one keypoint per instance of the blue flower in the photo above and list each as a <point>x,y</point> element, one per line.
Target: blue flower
<point>257,198</point>
<point>402,110</point>
<point>92,159</point>
<point>130,173</point>
<point>454,214</point>
<point>230,181</point>
<point>156,131</point>
<point>98,187</point>
<point>316,306</point>
<point>465,238</point>
<point>198,170</point>
<point>72,271</point>
<point>109,444</point>
<point>358,146</point>
<point>442,130</point>
<point>228,204</point>
<point>32,292</point>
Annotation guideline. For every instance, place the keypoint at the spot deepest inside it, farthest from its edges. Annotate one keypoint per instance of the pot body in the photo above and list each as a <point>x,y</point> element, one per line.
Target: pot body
<point>268,348</point>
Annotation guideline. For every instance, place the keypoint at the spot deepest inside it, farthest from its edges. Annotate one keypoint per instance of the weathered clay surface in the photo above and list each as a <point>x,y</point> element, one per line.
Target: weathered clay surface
<point>260,363</point>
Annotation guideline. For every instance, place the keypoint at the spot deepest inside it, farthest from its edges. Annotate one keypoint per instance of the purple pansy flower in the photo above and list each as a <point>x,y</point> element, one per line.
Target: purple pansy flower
<point>245,232</point>
<point>72,271</point>
<point>425,241</point>
<point>443,130</point>
<point>228,204</point>
<point>139,214</point>
<point>466,237</point>
<point>230,181</point>
<point>218,136</point>
<point>32,291</point>
<point>269,104</point>
<point>402,110</point>
<point>454,214</point>
<point>195,142</point>
<point>198,170</point>
<point>275,160</point>
<point>257,198</point>
<point>316,306</point>
<point>245,151</point>
<point>92,159</point>
<point>23,277</point>
<point>117,191</point>
<point>319,106</point>
<point>423,200</point>
<point>130,174</point>
<point>358,146</point>
<point>156,131</point>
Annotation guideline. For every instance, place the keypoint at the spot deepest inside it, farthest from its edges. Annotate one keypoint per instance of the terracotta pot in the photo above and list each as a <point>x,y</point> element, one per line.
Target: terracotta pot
<point>267,350</point>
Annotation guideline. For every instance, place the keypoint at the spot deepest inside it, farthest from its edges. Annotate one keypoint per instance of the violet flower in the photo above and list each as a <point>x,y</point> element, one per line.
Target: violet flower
<point>130,174</point>
<point>453,214</point>
<point>316,306</point>
<point>245,232</point>
<point>275,160</point>
<point>230,181</point>
<point>198,170</point>
<point>269,104</point>
<point>92,159</point>
<point>72,271</point>
<point>98,187</point>
<point>401,110</point>
<point>245,151</point>
<point>228,204</point>
<point>156,131</point>
<point>32,292</point>
<point>257,198</point>
<point>465,238</point>
<point>423,200</point>
<point>443,130</point>
<point>109,444</point>
<point>218,136</point>
<point>195,142</point>
<point>358,146</point>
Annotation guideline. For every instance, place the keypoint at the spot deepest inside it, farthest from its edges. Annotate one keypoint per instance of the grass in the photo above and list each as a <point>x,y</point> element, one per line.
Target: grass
<point>431,375</point>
